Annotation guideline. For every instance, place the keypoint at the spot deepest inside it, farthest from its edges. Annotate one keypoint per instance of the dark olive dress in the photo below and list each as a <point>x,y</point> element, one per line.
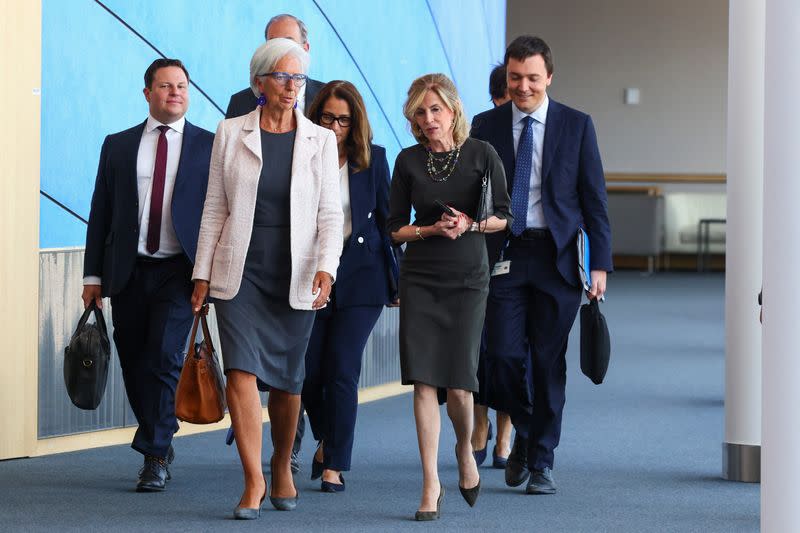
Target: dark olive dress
<point>444,283</point>
<point>259,332</point>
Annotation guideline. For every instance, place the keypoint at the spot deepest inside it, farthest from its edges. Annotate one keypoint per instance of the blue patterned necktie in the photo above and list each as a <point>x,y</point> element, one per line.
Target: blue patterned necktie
<point>522,178</point>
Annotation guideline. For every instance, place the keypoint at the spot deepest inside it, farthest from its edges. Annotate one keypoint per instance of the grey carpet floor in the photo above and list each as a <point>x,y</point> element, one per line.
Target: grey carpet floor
<point>641,452</point>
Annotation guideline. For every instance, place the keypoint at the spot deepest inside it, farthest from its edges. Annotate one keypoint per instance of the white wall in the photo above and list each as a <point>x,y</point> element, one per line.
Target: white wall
<point>675,52</point>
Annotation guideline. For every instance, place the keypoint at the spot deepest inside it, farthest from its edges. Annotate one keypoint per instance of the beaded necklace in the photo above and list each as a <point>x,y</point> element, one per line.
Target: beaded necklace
<point>448,164</point>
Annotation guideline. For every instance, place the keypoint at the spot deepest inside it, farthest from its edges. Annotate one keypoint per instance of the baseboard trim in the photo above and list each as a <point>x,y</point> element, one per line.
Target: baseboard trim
<point>114,437</point>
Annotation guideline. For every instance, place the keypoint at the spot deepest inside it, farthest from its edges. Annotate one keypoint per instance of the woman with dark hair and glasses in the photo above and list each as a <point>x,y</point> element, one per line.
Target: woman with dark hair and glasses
<point>268,250</point>
<point>365,282</point>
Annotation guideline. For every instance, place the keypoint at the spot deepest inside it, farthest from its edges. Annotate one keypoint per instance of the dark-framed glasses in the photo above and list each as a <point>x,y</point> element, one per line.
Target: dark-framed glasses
<point>345,121</point>
<point>284,77</point>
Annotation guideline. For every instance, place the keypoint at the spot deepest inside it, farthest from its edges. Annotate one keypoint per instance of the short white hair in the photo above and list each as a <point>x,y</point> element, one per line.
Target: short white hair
<point>268,54</point>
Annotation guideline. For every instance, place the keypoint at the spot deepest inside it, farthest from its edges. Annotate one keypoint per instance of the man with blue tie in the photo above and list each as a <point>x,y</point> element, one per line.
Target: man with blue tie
<point>140,245</point>
<point>557,186</point>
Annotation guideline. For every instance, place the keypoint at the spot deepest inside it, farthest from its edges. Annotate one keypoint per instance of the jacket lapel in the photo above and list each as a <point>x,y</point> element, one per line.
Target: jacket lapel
<point>187,143</point>
<point>552,135</point>
<point>505,145</point>
<point>303,150</point>
<point>251,133</point>
<point>131,182</point>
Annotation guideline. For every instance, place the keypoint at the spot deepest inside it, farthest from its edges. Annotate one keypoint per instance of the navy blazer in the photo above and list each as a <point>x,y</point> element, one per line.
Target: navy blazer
<point>573,183</point>
<point>244,101</point>
<point>367,273</point>
<point>112,236</point>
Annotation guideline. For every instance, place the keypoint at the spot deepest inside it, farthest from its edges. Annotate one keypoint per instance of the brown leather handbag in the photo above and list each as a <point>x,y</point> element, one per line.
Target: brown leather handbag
<point>200,397</point>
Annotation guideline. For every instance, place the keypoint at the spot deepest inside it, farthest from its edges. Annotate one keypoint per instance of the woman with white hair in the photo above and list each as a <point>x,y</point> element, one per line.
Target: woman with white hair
<point>269,246</point>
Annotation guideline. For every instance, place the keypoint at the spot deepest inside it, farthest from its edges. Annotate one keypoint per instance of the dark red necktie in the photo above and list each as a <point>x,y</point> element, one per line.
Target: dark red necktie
<point>157,193</point>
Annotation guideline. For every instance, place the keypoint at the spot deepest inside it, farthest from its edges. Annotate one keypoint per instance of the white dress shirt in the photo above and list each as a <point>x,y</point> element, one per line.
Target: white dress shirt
<point>145,164</point>
<point>344,190</point>
<point>535,215</point>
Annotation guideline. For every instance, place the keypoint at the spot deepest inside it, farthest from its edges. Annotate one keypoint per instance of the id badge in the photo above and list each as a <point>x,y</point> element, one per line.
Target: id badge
<point>501,267</point>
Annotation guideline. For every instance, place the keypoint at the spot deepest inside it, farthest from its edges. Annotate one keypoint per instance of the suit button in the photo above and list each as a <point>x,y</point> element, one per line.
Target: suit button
<point>361,240</point>
<point>369,215</point>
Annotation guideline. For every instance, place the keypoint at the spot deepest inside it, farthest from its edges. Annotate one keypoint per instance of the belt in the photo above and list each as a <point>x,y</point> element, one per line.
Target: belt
<point>535,233</point>
<point>157,260</point>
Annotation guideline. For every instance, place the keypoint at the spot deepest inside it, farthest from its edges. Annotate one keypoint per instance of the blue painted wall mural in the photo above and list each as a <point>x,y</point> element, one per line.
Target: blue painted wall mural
<point>94,55</point>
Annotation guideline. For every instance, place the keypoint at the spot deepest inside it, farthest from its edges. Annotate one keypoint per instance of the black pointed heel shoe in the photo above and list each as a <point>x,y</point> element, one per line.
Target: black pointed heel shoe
<point>471,495</point>
<point>327,486</point>
<point>426,516</point>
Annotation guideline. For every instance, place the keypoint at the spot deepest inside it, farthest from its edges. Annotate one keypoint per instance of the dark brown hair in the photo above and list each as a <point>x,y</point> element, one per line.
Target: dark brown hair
<point>150,73</point>
<point>526,46</point>
<point>360,135</point>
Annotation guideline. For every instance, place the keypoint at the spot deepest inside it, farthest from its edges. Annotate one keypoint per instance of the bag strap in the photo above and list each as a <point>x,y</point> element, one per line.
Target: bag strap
<point>206,334</point>
<point>200,319</point>
<point>191,351</point>
<point>99,319</point>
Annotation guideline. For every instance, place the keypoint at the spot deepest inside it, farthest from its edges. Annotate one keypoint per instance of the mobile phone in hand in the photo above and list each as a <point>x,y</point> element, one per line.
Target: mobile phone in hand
<point>445,208</point>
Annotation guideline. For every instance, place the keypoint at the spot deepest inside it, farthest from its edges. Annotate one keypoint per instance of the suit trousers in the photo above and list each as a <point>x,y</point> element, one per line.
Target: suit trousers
<point>333,367</point>
<point>152,316</point>
<point>530,313</point>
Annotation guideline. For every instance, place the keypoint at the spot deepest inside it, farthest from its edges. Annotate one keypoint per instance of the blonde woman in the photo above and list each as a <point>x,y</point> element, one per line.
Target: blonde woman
<point>444,276</point>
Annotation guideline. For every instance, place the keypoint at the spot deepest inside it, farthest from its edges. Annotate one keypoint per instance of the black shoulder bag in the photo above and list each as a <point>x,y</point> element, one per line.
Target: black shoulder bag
<point>86,361</point>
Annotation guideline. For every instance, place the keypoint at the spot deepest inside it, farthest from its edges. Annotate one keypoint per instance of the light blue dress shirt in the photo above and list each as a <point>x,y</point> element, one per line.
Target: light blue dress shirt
<point>535,215</point>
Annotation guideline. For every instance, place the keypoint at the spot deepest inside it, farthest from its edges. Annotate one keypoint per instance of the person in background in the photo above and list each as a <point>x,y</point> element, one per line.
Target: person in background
<point>365,282</point>
<point>289,27</point>
<point>269,247</point>
<point>482,434</point>
<point>140,244</point>
<point>557,185</point>
<point>444,275</point>
<point>498,88</point>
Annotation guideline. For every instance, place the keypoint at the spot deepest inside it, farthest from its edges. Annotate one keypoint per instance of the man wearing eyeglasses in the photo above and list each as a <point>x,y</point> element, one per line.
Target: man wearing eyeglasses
<point>289,27</point>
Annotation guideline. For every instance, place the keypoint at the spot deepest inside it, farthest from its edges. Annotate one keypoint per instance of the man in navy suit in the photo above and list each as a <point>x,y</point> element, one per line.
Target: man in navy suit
<point>289,27</point>
<point>557,186</point>
<point>140,245</point>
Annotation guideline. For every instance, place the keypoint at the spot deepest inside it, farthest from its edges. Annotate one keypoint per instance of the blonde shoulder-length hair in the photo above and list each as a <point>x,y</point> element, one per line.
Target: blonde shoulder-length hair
<point>444,89</point>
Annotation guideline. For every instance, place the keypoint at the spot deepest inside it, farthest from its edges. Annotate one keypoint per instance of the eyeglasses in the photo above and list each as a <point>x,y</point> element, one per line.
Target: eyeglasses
<point>283,78</point>
<point>344,120</point>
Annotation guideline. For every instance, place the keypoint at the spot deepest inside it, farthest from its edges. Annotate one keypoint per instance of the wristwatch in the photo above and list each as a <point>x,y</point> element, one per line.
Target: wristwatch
<point>418,233</point>
<point>474,226</point>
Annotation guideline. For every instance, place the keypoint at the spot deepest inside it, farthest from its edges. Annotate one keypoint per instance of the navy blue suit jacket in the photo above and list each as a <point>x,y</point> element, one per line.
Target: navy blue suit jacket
<point>573,183</point>
<point>368,271</point>
<point>112,236</point>
<point>244,101</point>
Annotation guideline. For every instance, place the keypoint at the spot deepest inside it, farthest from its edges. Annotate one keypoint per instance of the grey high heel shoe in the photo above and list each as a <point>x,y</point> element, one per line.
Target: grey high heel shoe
<point>249,513</point>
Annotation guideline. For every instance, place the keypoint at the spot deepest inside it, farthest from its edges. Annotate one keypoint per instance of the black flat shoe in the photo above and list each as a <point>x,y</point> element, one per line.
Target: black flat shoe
<point>426,516</point>
<point>153,475</point>
<point>327,486</point>
<point>316,466</point>
<point>248,513</point>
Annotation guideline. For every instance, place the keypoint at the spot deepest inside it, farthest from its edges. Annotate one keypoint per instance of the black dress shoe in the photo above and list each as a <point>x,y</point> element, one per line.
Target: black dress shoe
<point>541,482</point>
<point>294,462</point>
<point>153,475</point>
<point>170,458</point>
<point>517,463</point>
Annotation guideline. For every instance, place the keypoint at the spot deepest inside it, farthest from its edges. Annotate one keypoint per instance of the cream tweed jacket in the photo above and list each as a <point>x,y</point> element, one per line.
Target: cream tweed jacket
<point>316,218</point>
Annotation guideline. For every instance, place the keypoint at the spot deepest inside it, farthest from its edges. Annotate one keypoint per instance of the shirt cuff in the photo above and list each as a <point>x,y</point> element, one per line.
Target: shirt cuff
<point>92,280</point>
